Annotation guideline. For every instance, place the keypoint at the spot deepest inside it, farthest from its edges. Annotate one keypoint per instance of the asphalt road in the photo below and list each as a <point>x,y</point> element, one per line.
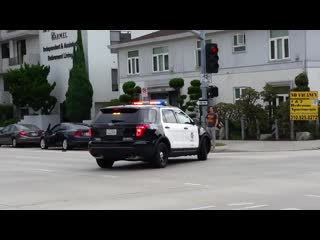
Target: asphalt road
<point>31,178</point>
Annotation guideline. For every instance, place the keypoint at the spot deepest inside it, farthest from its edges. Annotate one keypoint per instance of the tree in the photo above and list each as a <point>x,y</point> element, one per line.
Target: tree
<point>80,92</point>
<point>302,82</point>
<point>194,92</point>
<point>177,84</point>
<point>269,95</point>
<point>131,92</point>
<point>29,87</point>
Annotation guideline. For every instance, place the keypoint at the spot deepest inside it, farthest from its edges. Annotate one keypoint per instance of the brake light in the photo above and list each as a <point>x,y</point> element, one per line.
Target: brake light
<point>78,134</point>
<point>138,103</point>
<point>90,132</point>
<point>22,134</point>
<point>140,128</point>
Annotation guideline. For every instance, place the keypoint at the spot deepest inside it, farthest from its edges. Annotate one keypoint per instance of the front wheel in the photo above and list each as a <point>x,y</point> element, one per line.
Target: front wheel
<point>203,151</point>
<point>160,158</point>
<point>43,144</point>
<point>105,163</point>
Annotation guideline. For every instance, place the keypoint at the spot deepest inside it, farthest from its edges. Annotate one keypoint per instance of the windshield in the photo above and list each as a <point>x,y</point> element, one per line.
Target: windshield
<point>126,115</point>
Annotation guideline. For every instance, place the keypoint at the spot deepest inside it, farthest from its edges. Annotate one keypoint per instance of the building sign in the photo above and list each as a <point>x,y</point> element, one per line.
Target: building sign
<point>59,41</point>
<point>304,105</point>
<point>144,92</point>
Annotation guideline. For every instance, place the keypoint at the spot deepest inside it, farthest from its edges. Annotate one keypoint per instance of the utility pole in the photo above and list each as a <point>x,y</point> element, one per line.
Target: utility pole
<point>203,76</point>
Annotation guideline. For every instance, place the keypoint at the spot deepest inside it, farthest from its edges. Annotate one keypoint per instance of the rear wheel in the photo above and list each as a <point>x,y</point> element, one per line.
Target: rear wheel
<point>65,145</point>
<point>43,144</point>
<point>203,150</point>
<point>105,163</point>
<point>14,143</point>
<point>160,158</point>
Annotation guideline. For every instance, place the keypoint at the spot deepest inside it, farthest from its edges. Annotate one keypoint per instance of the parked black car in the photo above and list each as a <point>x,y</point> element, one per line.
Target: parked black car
<point>66,135</point>
<point>20,134</point>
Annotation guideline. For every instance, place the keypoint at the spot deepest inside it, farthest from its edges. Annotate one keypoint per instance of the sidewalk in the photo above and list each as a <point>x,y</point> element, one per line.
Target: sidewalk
<point>266,146</point>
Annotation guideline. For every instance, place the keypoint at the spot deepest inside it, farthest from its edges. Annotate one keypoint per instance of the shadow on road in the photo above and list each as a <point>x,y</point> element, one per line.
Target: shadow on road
<point>145,165</point>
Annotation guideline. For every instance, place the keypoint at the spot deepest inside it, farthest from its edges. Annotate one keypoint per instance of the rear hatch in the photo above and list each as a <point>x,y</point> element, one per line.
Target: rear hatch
<point>118,124</point>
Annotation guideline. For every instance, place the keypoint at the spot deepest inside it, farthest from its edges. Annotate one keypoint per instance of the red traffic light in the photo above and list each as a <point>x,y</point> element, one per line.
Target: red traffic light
<point>214,50</point>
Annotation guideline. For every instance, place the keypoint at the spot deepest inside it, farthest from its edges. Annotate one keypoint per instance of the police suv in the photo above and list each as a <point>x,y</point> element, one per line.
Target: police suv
<point>146,131</point>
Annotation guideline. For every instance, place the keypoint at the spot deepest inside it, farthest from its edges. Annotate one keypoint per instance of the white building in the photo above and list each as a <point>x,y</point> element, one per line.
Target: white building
<point>54,48</point>
<point>248,58</point>
<point>17,47</point>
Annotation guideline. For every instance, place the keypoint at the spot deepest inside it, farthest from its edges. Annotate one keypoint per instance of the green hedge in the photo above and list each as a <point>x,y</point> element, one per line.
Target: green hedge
<point>6,112</point>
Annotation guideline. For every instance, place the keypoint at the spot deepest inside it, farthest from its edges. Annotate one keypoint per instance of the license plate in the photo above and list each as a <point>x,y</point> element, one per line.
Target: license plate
<point>34,134</point>
<point>111,132</point>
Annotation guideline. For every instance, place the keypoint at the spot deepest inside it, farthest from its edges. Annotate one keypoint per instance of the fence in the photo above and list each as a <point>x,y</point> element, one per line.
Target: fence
<point>274,133</point>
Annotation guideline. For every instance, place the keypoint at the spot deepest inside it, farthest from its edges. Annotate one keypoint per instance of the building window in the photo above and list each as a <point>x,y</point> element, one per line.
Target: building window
<point>238,93</point>
<point>160,59</point>
<point>114,77</point>
<point>239,42</point>
<point>279,44</point>
<point>5,86</point>
<point>198,52</point>
<point>5,50</point>
<point>133,63</point>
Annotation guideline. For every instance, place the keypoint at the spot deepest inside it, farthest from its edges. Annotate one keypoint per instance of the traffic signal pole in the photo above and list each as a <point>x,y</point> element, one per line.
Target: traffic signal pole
<point>203,77</point>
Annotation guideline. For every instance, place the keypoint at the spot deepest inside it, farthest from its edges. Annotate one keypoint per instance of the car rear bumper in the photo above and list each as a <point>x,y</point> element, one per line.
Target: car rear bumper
<point>79,141</point>
<point>28,140</point>
<point>122,150</point>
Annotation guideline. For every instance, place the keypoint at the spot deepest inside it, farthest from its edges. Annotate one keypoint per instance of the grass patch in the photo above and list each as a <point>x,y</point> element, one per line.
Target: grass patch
<point>218,144</point>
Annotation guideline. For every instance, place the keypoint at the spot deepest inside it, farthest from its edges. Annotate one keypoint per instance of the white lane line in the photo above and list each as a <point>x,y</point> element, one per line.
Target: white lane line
<point>290,209</point>
<point>250,207</point>
<point>310,195</point>
<point>199,208</point>
<point>27,157</point>
<point>192,184</point>
<point>240,204</point>
<point>109,176</point>
<point>42,170</point>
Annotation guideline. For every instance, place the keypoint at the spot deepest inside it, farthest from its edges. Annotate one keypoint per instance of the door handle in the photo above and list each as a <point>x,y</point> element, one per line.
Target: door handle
<point>186,128</point>
<point>167,127</point>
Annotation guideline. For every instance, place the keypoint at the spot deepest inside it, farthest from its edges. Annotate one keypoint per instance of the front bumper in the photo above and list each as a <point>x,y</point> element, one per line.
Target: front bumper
<point>122,150</point>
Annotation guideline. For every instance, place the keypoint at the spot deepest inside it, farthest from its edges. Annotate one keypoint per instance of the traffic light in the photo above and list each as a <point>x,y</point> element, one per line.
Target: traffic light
<point>213,91</point>
<point>212,58</point>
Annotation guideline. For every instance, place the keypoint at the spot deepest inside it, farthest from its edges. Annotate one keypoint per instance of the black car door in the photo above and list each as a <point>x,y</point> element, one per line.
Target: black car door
<point>60,135</point>
<point>51,135</point>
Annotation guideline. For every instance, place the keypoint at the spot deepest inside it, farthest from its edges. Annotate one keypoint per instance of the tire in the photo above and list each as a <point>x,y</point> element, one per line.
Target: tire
<point>203,150</point>
<point>161,155</point>
<point>43,144</point>
<point>105,163</point>
<point>14,143</point>
<point>65,145</point>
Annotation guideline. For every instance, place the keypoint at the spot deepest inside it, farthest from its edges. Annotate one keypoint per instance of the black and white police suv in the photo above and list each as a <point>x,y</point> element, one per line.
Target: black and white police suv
<point>146,131</point>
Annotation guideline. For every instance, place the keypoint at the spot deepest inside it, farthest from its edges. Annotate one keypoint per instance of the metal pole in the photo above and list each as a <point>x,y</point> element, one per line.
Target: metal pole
<point>317,128</point>
<point>277,129</point>
<point>226,128</point>
<point>242,129</point>
<point>258,128</point>
<point>204,80</point>
<point>292,130</point>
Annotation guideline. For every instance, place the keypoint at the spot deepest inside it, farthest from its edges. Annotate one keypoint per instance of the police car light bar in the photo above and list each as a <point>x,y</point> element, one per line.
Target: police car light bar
<point>152,102</point>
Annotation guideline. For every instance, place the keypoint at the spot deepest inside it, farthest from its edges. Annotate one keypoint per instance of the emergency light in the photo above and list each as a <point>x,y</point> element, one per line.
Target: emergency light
<point>151,102</point>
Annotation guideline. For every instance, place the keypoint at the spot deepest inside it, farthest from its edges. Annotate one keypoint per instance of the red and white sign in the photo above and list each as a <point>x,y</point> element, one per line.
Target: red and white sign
<point>144,92</point>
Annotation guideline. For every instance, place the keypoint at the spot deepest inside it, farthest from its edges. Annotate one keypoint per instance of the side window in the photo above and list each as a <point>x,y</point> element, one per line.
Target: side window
<point>6,129</point>
<point>55,128</point>
<point>168,116</point>
<point>182,118</point>
<point>13,128</point>
<point>148,115</point>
